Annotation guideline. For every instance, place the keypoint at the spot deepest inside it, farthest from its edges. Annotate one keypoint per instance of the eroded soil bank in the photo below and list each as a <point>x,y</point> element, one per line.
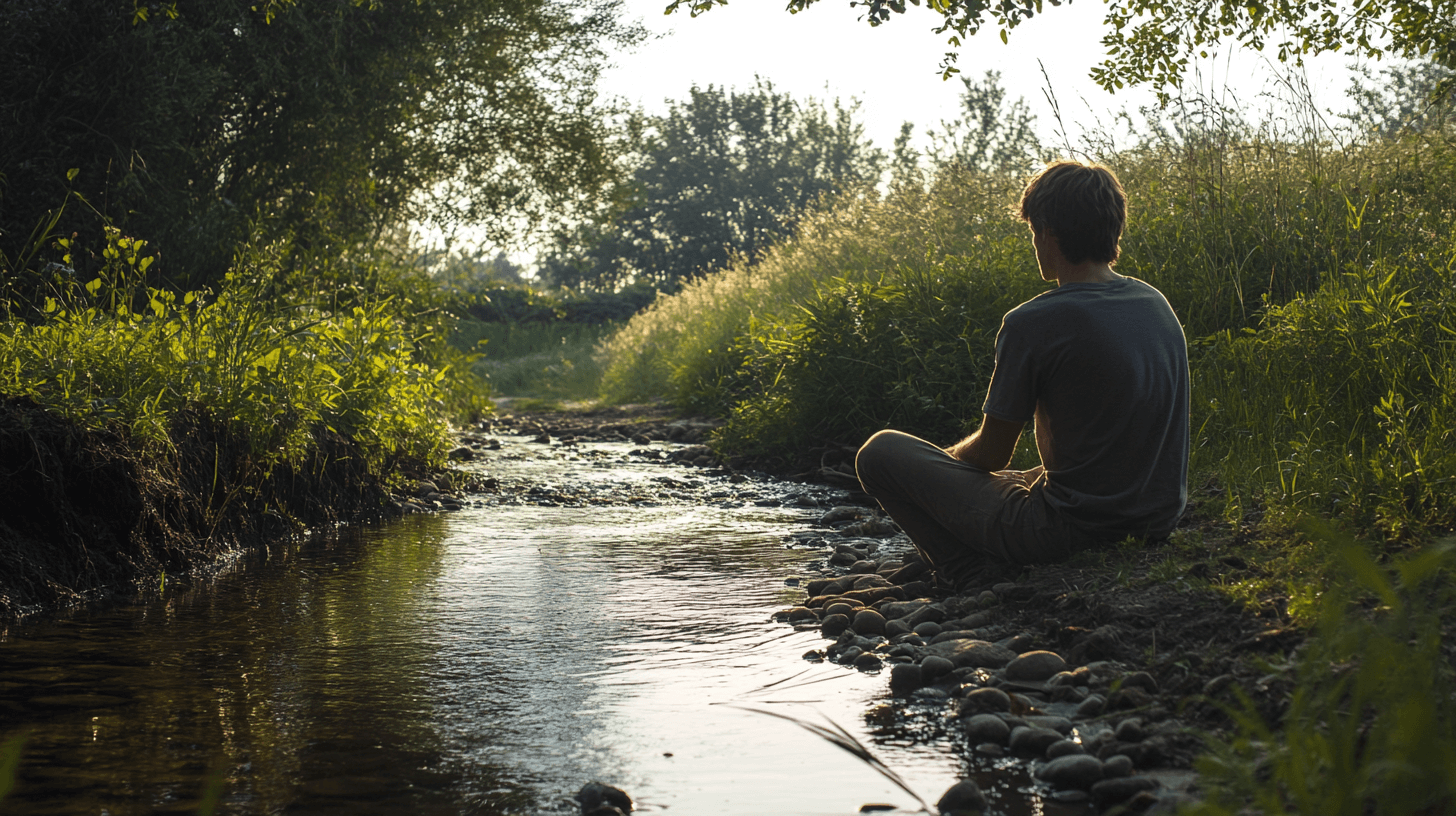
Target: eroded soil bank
<point>1124,659</point>
<point>85,513</point>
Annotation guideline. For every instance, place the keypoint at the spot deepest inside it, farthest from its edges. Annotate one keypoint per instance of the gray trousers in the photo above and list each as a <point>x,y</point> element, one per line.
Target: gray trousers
<point>959,516</point>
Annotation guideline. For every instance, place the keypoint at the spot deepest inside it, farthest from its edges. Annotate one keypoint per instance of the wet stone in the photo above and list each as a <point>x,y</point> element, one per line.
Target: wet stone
<point>814,656</point>
<point>991,749</point>
<point>964,796</point>
<point>834,625</point>
<point>1032,741</point>
<point>905,678</point>
<point>973,653</point>
<point>934,667</point>
<point>1061,725</point>
<point>1073,771</point>
<point>841,608</point>
<point>862,567</point>
<point>1112,791</point>
<point>1141,680</point>
<point>985,700</point>
<point>1091,707</point>
<point>1117,766</point>
<point>869,622</point>
<point>1127,698</point>
<point>987,599</point>
<point>1065,747</point>
<point>895,628</point>
<point>848,655</point>
<point>1035,666</point>
<point>1129,730</point>
<point>928,629</point>
<point>987,728</point>
<point>1017,643</point>
<point>868,662</point>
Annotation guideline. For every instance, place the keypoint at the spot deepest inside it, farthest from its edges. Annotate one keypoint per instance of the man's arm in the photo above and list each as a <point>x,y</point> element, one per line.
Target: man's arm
<point>989,448</point>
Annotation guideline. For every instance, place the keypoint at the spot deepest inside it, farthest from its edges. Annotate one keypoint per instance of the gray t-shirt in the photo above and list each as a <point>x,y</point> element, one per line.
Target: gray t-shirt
<point>1102,368</point>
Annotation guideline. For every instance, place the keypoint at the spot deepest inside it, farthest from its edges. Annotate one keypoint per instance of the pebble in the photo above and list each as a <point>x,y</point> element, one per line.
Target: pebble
<point>1065,747</point>
<point>934,667</point>
<point>1091,707</point>
<point>987,728</point>
<point>863,567</point>
<point>841,608</point>
<point>984,700</point>
<point>974,653</point>
<point>895,628</point>
<point>1129,730</point>
<point>1120,790</point>
<point>1141,680</point>
<point>927,629</point>
<point>1061,725</point>
<point>868,661</point>
<point>1035,666</point>
<point>834,625</point>
<point>1033,741</point>
<point>1117,766</point>
<point>814,655</point>
<point>964,796</point>
<point>1126,698</point>
<point>869,622</point>
<point>905,678</point>
<point>986,599</point>
<point>952,634</point>
<point>1017,643</point>
<point>848,655</point>
<point>990,749</point>
<point>1077,771</point>
<point>597,799</point>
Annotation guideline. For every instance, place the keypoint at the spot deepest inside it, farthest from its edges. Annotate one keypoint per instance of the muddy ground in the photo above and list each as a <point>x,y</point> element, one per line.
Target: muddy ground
<point>1148,613</point>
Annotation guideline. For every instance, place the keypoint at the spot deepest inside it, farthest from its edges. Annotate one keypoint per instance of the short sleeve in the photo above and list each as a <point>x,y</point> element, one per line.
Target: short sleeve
<point>1012,393</point>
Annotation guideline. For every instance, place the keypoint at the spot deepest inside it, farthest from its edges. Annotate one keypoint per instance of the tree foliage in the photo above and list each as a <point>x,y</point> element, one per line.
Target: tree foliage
<point>1151,41</point>
<point>722,173</point>
<point>989,135</point>
<point>326,121</point>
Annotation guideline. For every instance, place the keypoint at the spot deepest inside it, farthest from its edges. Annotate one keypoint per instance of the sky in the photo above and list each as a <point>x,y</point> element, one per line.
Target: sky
<point>894,69</point>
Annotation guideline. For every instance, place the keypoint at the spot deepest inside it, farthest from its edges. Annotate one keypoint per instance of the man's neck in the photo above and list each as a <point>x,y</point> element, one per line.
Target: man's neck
<point>1089,272</point>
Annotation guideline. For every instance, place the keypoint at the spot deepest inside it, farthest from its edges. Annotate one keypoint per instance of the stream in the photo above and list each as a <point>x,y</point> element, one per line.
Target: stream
<point>601,617</point>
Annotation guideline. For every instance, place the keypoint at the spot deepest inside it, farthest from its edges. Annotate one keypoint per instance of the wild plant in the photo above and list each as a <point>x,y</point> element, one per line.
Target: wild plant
<point>1368,728</point>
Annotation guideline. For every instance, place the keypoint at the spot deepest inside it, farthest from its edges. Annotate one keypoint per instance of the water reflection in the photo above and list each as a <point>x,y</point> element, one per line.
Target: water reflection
<point>490,661</point>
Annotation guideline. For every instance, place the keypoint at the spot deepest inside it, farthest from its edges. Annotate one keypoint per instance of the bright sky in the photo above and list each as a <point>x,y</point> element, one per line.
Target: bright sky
<point>827,51</point>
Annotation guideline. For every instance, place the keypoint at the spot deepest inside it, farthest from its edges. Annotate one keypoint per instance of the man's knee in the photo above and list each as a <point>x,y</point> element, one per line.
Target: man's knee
<point>875,454</point>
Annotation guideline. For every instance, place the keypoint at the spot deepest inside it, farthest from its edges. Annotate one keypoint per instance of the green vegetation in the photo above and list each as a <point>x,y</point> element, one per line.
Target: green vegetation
<point>1313,282</point>
<point>1369,725</point>
<point>548,360</point>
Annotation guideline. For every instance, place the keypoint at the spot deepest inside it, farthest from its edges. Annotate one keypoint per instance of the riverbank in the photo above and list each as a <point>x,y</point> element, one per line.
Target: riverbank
<point>90,513</point>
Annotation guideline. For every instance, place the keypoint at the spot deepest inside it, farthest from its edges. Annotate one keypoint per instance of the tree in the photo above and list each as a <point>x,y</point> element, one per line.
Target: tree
<point>323,123</point>
<point>989,136</point>
<point>1151,41</point>
<point>1414,97</point>
<point>722,174</point>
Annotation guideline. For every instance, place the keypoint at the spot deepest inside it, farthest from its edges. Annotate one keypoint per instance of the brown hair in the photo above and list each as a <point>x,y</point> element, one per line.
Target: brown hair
<point>1082,205</point>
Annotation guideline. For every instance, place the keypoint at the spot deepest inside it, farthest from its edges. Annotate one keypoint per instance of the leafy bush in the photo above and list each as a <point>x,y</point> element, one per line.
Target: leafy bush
<point>113,351</point>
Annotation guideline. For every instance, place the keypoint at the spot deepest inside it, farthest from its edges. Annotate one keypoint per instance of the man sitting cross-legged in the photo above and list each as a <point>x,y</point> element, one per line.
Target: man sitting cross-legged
<point>1099,364</point>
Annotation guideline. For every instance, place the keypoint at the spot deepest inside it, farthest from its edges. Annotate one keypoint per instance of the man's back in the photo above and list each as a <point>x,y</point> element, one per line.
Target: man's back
<point>1103,370</point>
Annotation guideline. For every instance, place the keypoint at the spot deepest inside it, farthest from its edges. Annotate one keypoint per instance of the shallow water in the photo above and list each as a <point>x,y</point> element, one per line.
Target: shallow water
<point>486,661</point>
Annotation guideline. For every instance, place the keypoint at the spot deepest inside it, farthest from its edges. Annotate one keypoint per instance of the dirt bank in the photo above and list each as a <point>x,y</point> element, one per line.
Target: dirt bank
<point>85,512</point>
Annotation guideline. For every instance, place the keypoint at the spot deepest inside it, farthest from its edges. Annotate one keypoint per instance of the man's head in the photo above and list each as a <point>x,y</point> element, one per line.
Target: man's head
<point>1081,205</point>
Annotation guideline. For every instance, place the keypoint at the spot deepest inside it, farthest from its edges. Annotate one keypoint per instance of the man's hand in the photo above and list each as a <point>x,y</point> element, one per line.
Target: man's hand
<point>989,448</point>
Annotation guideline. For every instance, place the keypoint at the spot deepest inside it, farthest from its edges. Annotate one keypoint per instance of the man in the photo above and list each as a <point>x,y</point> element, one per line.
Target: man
<point>1099,364</point>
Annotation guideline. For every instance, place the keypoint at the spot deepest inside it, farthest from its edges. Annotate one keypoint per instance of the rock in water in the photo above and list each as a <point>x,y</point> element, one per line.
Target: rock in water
<point>597,799</point>
<point>964,797</point>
